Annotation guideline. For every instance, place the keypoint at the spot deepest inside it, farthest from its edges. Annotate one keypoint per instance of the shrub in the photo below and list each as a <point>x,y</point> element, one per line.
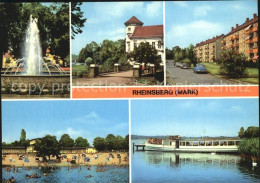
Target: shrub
<point>89,61</point>
<point>249,147</point>
<point>233,64</point>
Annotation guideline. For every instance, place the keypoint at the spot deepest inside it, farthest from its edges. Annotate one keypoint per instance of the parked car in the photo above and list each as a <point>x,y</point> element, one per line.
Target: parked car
<point>118,156</point>
<point>178,64</point>
<point>185,66</point>
<point>200,69</point>
<point>199,64</point>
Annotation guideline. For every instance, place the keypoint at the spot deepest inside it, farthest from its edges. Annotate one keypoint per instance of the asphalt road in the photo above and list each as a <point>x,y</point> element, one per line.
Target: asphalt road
<point>188,77</point>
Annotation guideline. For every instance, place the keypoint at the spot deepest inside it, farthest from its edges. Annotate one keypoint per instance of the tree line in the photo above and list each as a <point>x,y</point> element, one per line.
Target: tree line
<point>110,52</point>
<point>106,53</point>
<point>186,55</point>
<point>49,145</point>
<point>53,24</point>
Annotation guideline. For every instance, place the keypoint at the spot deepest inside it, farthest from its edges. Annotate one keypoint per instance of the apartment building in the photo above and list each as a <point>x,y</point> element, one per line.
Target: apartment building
<point>137,33</point>
<point>209,50</point>
<point>243,38</point>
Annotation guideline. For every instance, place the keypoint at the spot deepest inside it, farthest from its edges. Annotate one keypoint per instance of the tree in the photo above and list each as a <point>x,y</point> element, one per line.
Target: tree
<point>23,135</point>
<point>241,132</point>
<point>169,54</point>
<point>89,51</point>
<point>99,143</point>
<point>233,64</point>
<point>110,142</point>
<point>145,53</point>
<point>23,141</point>
<point>66,141</point>
<point>126,143</point>
<point>10,31</point>
<point>47,146</point>
<point>252,132</point>
<point>81,142</point>
<point>77,20</point>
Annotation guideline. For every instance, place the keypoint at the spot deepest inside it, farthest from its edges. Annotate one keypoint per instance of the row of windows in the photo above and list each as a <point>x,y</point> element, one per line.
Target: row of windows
<point>136,45</point>
<point>210,143</point>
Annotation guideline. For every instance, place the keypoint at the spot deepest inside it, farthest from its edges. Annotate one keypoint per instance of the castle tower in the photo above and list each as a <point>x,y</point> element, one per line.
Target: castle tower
<point>131,24</point>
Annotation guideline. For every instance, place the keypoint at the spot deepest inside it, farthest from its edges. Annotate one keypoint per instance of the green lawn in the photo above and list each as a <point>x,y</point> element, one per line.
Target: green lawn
<point>79,69</point>
<point>252,73</point>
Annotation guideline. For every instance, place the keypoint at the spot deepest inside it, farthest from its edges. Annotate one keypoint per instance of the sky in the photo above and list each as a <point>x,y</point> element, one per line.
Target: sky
<point>192,22</point>
<point>86,118</point>
<point>105,20</point>
<point>192,117</point>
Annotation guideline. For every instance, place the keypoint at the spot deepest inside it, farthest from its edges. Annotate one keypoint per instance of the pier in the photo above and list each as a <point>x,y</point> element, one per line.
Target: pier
<point>137,147</point>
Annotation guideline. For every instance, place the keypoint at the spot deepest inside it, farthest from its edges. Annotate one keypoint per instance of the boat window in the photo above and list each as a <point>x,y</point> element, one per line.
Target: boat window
<point>188,144</point>
<point>182,143</point>
<point>237,142</point>
<point>208,143</point>
<point>215,143</point>
<point>231,143</point>
<point>223,143</point>
<point>202,143</point>
<point>195,143</point>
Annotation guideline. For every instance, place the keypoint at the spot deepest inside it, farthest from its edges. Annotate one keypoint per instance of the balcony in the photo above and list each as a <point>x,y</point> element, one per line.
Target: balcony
<point>254,50</point>
<point>223,41</point>
<point>236,37</point>
<point>254,29</point>
<point>254,40</point>
<point>235,45</point>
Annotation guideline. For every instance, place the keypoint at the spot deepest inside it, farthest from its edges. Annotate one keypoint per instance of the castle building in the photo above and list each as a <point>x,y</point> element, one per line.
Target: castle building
<point>137,33</point>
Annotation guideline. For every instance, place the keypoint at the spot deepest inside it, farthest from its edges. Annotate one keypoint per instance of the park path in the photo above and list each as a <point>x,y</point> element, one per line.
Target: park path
<point>124,78</point>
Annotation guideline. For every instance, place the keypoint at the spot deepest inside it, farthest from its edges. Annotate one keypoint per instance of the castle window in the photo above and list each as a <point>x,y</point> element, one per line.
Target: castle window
<point>159,44</point>
<point>128,45</point>
<point>135,45</point>
<point>129,29</point>
<point>153,44</point>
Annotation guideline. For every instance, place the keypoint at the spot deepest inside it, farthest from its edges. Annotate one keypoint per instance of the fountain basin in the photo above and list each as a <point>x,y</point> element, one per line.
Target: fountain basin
<point>35,84</point>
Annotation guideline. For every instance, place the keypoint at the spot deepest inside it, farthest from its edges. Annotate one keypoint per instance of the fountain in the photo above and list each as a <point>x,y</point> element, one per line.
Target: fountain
<point>37,76</point>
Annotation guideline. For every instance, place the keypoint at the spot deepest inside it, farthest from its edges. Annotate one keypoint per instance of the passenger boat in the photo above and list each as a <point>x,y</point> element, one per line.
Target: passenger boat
<point>174,143</point>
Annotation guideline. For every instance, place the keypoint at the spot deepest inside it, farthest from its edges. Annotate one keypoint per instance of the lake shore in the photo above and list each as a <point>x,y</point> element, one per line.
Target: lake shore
<point>95,159</point>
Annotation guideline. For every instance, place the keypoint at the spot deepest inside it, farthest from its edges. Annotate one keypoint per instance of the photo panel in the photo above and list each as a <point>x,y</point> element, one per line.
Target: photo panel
<point>195,140</point>
<point>212,42</point>
<point>35,42</point>
<point>120,44</point>
<point>65,140</point>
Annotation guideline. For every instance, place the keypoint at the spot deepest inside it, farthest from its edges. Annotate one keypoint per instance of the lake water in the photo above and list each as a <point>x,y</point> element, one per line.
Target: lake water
<point>63,175</point>
<point>150,166</point>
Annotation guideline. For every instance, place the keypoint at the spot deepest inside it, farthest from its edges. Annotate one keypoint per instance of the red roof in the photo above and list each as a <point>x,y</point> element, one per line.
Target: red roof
<point>133,20</point>
<point>209,40</point>
<point>244,25</point>
<point>148,32</point>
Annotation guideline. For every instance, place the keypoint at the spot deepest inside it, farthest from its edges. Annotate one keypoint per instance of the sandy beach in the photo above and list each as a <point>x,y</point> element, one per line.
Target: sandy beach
<point>95,159</point>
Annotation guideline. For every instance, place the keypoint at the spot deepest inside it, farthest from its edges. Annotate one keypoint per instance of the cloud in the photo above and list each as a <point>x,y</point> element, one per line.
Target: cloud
<point>91,118</point>
<point>181,3</point>
<point>153,9</point>
<point>235,109</point>
<point>194,32</point>
<point>202,10</point>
